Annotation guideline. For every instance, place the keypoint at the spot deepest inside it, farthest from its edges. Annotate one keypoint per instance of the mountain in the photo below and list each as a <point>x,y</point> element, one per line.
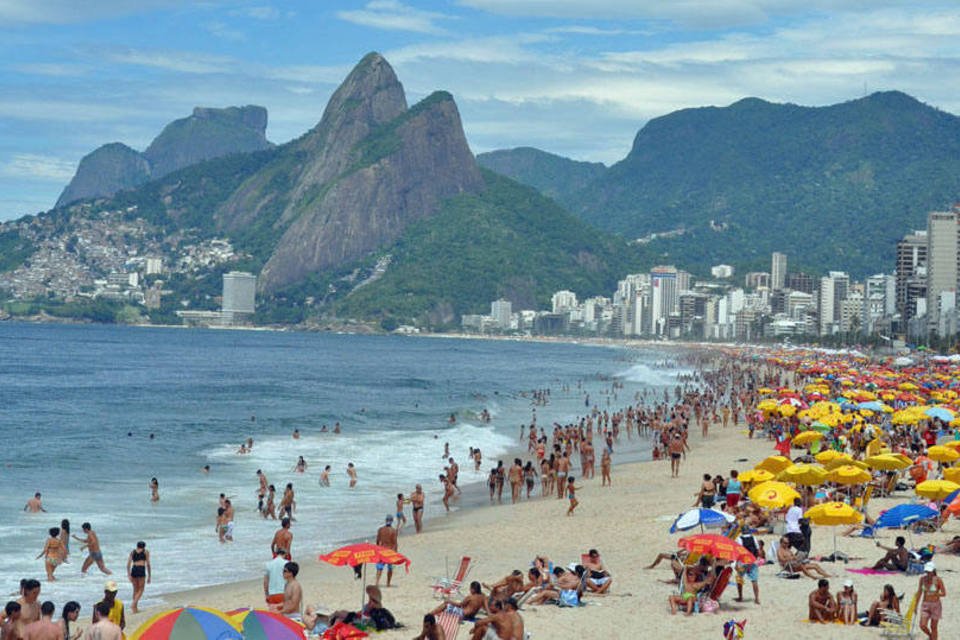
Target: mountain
<point>207,133</point>
<point>351,184</point>
<point>555,176</point>
<point>833,186</point>
<point>506,241</point>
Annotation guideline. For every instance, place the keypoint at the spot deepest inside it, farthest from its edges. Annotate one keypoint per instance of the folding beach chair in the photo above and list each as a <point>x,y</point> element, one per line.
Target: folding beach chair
<point>899,626</point>
<point>450,623</point>
<point>447,587</point>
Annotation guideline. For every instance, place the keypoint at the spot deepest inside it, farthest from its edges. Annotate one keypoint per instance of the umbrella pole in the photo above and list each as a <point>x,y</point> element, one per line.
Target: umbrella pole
<point>363,588</point>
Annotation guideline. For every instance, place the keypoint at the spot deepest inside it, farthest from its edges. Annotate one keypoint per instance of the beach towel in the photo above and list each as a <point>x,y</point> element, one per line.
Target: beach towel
<point>867,571</point>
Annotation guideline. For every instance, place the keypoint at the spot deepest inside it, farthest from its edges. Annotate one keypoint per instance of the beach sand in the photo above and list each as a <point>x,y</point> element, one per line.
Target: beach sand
<point>628,523</point>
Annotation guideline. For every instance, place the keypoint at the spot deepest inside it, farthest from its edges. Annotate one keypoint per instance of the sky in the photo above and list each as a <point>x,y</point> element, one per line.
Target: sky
<point>574,77</point>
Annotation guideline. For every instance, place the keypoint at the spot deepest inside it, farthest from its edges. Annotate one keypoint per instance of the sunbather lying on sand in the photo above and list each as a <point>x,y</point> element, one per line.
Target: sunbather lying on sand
<point>791,562</point>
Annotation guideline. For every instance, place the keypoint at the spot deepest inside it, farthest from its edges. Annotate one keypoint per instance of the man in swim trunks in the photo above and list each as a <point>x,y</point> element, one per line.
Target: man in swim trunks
<point>92,544</point>
<point>352,472</point>
<point>416,499</point>
<point>452,473</point>
<point>497,626</point>
<point>44,628</point>
<point>675,448</point>
<point>563,468</point>
<point>386,538</point>
<point>29,605</point>
<point>822,606</point>
<point>274,582</point>
<point>282,540</point>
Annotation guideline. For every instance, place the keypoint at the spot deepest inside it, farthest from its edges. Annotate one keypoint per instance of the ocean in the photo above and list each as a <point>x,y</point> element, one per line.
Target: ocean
<point>80,403</point>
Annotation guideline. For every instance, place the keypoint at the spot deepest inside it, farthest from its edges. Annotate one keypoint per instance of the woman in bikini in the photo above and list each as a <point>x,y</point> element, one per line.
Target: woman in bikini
<point>154,490</point>
<point>53,553</point>
<point>138,570</point>
<point>931,608</point>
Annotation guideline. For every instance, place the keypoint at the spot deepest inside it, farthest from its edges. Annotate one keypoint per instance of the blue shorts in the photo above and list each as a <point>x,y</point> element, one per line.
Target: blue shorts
<point>752,572</point>
<point>381,565</point>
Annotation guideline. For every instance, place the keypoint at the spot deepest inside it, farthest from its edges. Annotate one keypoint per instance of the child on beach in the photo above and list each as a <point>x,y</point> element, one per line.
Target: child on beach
<point>401,519</point>
<point>572,495</point>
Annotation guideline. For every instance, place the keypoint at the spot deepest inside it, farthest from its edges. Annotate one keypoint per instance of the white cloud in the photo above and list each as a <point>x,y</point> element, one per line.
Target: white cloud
<point>265,12</point>
<point>70,11</point>
<point>53,69</point>
<point>37,167</point>
<point>223,31</point>
<point>178,61</point>
<point>392,15</point>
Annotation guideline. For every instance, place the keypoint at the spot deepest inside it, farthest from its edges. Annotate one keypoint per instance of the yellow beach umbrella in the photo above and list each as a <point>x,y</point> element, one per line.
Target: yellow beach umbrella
<point>952,474</point>
<point>846,462</point>
<point>942,454</point>
<point>773,495</point>
<point>833,513</point>
<point>936,489</point>
<point>803,474</point>
<point>787,410</point>
<point>768,405</point>
<point>806,437</point>
<point>887,462</point>
<point>756,475</point>
<point>849,474</point>
<point>953,444</point>
<point>774,464</point>
<point>830,455</point>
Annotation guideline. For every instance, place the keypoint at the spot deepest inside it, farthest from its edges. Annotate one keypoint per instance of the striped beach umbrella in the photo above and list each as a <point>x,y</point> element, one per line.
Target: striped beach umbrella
<point>258,624</point>
<point>188,623</point>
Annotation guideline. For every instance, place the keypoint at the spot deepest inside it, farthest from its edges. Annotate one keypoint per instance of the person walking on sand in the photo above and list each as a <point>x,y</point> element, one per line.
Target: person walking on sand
<point>516,479</point>
<point>139,572</point>
<point>53,553</point>
<point>605,463</point>
<point>386,538</point>
<point>572,495</point>
<point>675,448</point>
<point>94,555</point>
<point>417,500</point>
<point>932,592</point>
<point>447,492</point>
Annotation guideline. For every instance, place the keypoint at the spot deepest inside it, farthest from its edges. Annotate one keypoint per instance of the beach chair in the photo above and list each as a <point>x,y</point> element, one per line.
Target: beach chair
<point>447,587</point>
<point>897,626</point>
<point>860,502</point>
<point>450,623</point>
<point>714,591</point>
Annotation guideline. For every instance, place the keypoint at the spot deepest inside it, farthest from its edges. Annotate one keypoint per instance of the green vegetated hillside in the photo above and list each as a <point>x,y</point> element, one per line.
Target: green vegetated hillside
<point>555,176</point>
<point>835,187</point>
<point>508,241</point>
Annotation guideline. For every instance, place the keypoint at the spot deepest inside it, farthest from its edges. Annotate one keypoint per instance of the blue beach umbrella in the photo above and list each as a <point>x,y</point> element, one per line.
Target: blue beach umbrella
<point>873,405</point>
<point>700,518</point>
<point>904,514</point>
<point>940,413</point>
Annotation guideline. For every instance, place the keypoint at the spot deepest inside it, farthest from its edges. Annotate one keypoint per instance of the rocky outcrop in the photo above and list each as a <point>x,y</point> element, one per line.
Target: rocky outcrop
<point>111,168</point>
<point>208,133</point>
<point>353,183</point>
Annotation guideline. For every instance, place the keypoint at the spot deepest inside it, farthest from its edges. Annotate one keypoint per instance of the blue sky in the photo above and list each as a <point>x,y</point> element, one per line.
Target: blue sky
<point>573,77</point>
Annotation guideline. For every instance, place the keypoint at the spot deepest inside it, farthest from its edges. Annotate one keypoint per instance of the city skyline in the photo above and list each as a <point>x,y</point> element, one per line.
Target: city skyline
<point>574,79</point>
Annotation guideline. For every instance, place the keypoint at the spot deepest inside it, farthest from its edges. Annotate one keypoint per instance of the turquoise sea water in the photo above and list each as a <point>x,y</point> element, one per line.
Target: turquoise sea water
<point>80,402</point>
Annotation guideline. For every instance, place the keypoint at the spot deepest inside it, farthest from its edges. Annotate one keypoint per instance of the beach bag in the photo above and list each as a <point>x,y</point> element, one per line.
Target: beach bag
<point>569,598</point>
<point>343,631</point>
<point>709,605</point>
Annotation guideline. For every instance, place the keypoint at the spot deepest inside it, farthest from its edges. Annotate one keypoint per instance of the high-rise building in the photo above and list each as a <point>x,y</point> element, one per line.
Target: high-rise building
<point>664,296</point>
<point>879,300</point>
<point>239,293</point>
<point>833,291</point>
<point>502,313</point>
<point>800,281</point>
<point>941,260</point>
<point>911,273</point>
<point>757,279</point>
<point>778,271</point>
<point>563,301</point>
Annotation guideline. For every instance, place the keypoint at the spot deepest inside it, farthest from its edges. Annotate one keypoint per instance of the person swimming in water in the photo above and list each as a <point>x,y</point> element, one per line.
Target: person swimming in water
<point>325,477</point>
<point>301,465</point>
<point>154,490</point>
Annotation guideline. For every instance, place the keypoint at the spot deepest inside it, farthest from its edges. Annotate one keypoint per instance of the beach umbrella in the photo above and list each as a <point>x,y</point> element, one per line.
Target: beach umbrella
<point>936,489</point>
<point>773,495</point>
<point>364,553</point>
<point>720,547</point>
<point>940,413</point>
<point>806,437</point>
<point>701,518</point>
<point>820,426</point>
<point>774,464</point>
<point>872,405</point>
<point>825,457</point>
<point>756,475</point>
<point>849,474</point>
<point>904,514</point>
<point>942,454</point>
<point>952,474</point>
<point>831,514</point>
<point>188,623</point>
<point>953,444</point>
<point>258,624</point>
<point>807,474</point>
<point>887,462</point>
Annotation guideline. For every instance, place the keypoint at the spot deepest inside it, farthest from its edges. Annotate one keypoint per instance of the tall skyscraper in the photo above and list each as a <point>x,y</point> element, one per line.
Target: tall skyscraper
<point>778,271</point>
<point>502,312</point>
<point>833,291</point>
<point>664,295</point>
<point>941,260</point>
<point>911,272</point>
<point>239,292</point>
